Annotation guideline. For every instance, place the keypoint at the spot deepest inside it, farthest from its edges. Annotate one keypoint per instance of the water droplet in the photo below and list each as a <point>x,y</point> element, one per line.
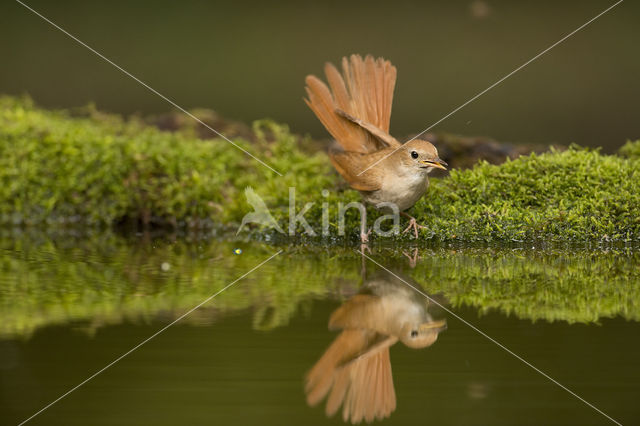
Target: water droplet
<point>165,266</point>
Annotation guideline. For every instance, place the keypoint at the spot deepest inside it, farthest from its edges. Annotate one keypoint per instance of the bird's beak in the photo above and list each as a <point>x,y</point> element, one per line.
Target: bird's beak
<point>437,163</point>
<point>437,326</point>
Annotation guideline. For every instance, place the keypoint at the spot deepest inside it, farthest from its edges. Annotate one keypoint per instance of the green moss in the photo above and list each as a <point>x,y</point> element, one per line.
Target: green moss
<point>101,170</point>
<point>631,149</point>
<point>577,194</point>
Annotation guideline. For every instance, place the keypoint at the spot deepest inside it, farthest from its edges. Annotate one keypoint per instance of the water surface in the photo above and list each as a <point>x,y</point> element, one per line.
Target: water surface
<point>71,305</point>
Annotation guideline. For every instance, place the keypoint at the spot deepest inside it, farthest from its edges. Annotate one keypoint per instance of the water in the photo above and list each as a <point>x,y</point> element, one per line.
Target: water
<point>70,305</point>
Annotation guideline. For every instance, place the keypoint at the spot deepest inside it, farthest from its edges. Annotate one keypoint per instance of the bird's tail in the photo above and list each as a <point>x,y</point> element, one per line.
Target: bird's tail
<point>367,393</point>
<point>347,345</point>
<point>363,90</point>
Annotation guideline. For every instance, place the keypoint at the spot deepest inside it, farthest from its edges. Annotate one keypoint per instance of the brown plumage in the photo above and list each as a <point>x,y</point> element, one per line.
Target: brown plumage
<point>355,373</point>
<point>356,110</point>
<point>355,370</point>
<point>367,95</point>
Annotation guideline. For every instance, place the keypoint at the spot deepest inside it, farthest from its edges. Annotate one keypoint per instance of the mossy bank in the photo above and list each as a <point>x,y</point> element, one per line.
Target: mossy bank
<point>94,169</point>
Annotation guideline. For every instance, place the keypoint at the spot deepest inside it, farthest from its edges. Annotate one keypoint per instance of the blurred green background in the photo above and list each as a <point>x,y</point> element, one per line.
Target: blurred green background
<point>248,59</point>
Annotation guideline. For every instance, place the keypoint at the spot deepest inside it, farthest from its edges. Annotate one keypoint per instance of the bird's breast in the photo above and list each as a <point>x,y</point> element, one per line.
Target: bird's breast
<point>402,190</point>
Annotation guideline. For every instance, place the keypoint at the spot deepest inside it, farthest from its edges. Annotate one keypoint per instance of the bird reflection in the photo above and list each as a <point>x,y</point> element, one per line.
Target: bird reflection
<point>355,371</point>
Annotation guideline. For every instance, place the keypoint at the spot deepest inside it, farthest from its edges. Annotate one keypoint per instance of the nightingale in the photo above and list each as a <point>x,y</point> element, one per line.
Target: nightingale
<point>355,370</point>
<point>356,110</point>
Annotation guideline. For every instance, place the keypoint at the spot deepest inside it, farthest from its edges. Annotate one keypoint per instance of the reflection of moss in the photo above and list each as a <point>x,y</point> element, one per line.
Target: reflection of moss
<point>105,280</point>
<point>98,169</point>
<point>573,286</point>
<point>101,279</point>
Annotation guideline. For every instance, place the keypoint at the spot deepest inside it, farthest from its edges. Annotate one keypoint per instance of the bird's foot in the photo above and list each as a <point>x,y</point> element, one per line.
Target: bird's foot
<point>364,236</point>
<point>413,225</point>
<point>364,241</point>
<point>363,247</point>
<point>413,260</point>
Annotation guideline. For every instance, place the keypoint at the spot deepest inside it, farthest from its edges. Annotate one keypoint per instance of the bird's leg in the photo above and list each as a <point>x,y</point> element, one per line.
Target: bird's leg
<point>364,233</point>
<point>363,247</point>
<point>413,260</point>
<point>363,268</point>
<point>412,225</point>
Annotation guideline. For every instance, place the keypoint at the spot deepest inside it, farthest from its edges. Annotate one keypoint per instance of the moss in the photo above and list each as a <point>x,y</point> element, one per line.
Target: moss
<point>102,279</point>
<point>98,169</point>
<point>101,170</point>
<point>577,194</point>
<point>631,149</point>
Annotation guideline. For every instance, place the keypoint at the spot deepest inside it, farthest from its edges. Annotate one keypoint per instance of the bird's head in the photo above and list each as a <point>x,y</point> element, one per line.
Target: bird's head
<point>420,155</point>
<point>418,336</point>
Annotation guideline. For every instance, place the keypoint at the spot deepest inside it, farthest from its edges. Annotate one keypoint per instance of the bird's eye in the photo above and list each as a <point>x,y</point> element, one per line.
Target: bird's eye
<point>414,333</point>
<point>414,154</point>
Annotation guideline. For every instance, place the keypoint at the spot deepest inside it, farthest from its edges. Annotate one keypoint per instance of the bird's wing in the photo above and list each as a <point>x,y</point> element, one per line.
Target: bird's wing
<point>351,164</point>
<point>363,90</point>
<point>384,137</point>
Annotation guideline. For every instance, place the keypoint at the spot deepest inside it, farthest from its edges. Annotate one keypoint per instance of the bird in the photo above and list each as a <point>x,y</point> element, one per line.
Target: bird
<point>260,213</point>
<point>356,110</point>
<point>355,370</point>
